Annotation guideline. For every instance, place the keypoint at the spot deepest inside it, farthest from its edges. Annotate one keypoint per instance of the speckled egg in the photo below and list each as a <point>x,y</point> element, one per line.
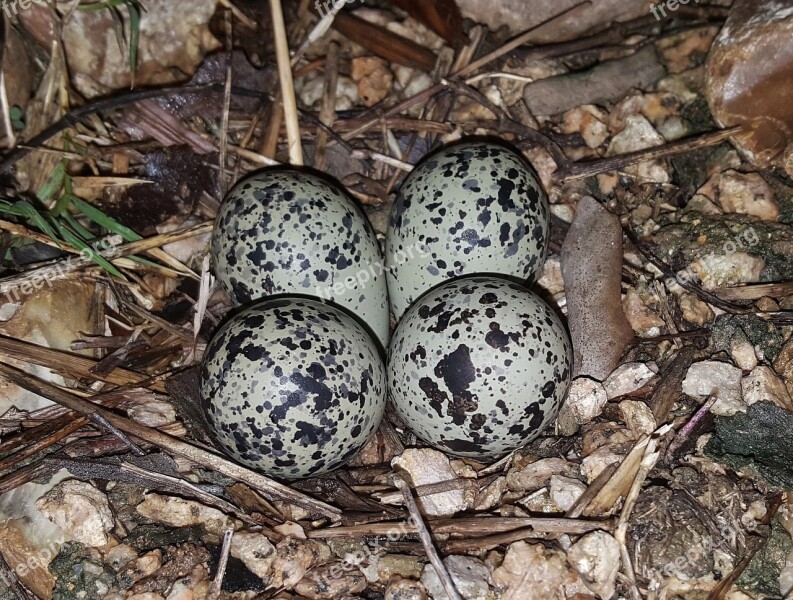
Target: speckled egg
<point>472,208</point>
<point>284,231</point>
<point>479,367</point>
<point>292,387</point>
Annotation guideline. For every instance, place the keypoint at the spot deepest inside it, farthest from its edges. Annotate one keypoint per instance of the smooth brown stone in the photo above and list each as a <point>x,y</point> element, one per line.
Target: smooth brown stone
<point>750,78</point>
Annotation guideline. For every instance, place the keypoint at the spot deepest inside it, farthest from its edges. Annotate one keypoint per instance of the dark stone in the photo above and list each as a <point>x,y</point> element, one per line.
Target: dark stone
<point>759,438</point>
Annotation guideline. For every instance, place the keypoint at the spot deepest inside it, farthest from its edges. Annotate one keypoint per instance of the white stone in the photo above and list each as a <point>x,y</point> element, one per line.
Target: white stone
<point>742,352</point>
<point>156,413</point>
<point>629,377</point>
<point>426,466</point>
<point>182,589</point>
<point>567,23</point>
<point>178,512</point>
<point>764,385</point>
<point>639,134</point>
<point>563,212</point>
<point>118,556</point>
<point>638,417</point>
<point>786,576</point>
<point>596,557</point>
<point>80,510</point>
<point>491,495</point>
<point>747,194</point>
<point>291,529</point>
<point>727,270</point>
<point>533,572</point>
<point>293,559</point>
<point>8,310</point>
<point>673,128</point>
<point>585,401</point>
<point>593,465</point>
<point>256,551</point>
<point>539,502</point>
<point>709,377</point>
<point>702,204</point>
<point>551,280</point>
<point>142,567</point>
<point>564,491</point>
<point>470,576</point>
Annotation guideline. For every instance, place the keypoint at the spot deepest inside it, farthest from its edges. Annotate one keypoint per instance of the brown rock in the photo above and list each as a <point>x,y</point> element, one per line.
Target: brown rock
<point>643,320</point>
<point>750,76</point>
<point>405,589</point>
<point>695,310</point>
<point>687,49</point>
<point>784,365</point>
<point>17,70</point>
<point>373,77</point>
<point>592,270</point>
<point>24,559</point>
<point>173,42</point>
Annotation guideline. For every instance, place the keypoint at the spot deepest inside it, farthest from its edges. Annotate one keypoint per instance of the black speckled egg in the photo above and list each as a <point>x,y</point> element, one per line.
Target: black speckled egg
<point>283,231</point>
<point>479,366</point>
<point>472,208</point>
<point>292,387</point>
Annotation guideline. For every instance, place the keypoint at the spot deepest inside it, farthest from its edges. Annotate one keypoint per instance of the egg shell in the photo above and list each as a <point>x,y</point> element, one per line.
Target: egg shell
<point>471,208</point>
<point>292,387</point>
<point>284,231</point>
<point>479,366</point>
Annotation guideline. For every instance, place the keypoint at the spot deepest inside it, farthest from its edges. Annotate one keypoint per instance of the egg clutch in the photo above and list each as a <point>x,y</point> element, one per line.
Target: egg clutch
<point>295,383</point>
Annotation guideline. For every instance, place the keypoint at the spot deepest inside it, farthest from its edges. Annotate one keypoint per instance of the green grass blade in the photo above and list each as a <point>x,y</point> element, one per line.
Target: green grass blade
<point>25,209</point>
<point>79,229</point>
<point>53,182</point>
<point>75,241</point>
<point>134,38</point>
<point>103,220</point>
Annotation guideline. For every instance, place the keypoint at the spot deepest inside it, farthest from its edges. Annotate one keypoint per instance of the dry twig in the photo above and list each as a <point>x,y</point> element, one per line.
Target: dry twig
<point>214,589</point>
<point>287,85</point>
<point>426,539</point>
<point>265,485</point>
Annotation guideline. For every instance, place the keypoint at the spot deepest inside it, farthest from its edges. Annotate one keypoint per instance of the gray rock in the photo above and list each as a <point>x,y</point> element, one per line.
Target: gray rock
<point>471,577</point>
<point>520,15</point>
<point>607,81</point>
